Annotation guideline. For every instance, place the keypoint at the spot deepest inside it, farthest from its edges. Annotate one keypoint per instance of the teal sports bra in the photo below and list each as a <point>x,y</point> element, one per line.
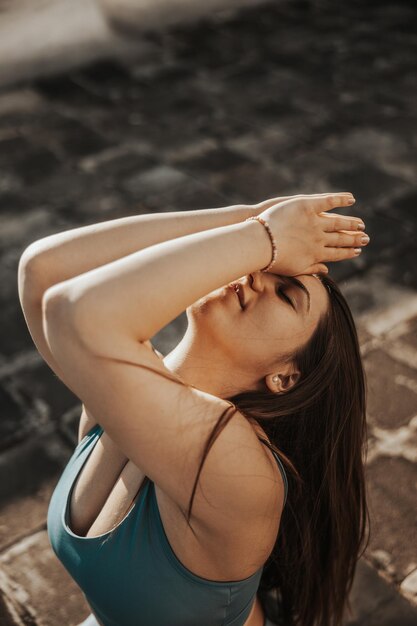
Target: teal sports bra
<point>134,578</point>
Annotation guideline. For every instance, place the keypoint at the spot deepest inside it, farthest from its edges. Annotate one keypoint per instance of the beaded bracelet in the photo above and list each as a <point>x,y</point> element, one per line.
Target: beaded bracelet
<point>271,236</point>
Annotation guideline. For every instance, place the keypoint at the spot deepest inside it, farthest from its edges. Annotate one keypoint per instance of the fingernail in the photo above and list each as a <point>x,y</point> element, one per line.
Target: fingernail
<point>351,200</point>
<point>361,226</point>
<point>357,250</point>
<point>365,239</point>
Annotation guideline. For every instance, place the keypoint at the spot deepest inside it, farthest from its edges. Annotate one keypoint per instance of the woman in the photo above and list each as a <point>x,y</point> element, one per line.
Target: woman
<point>170,510</point>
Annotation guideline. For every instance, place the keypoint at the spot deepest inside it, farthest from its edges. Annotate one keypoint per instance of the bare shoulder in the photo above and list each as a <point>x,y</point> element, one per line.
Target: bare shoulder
<point>243,543</point>
<point>165,428</point>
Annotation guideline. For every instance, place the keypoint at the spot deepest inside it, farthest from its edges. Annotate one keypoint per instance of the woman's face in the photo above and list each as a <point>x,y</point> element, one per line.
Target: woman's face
<point>268,326</point>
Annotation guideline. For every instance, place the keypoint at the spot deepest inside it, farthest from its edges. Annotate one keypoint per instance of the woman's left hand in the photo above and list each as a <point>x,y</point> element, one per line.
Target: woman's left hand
<point>257,209</point>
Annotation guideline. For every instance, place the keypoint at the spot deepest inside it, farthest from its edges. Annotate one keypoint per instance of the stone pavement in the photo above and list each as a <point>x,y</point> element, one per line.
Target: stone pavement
<point>286,98</point>
<point>40,37</point>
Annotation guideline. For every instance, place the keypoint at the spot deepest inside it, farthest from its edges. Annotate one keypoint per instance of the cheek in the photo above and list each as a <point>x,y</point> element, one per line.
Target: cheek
<point>278,330</point>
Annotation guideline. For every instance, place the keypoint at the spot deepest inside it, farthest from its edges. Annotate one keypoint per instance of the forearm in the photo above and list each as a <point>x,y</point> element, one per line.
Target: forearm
<point>62,256</point>
<point>139,294</point>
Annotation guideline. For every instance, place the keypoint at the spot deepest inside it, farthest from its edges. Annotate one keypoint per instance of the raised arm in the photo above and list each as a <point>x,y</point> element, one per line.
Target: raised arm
<point>64,255</point>
<point>134,297</point>
<point>59,257</point>
<point>94,330</point>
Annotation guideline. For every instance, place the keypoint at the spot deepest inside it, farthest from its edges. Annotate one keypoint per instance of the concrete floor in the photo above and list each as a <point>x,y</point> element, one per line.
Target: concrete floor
<point>283,98</point>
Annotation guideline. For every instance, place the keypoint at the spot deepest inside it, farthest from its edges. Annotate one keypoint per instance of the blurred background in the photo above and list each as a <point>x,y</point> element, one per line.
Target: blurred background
<point>111,108</point>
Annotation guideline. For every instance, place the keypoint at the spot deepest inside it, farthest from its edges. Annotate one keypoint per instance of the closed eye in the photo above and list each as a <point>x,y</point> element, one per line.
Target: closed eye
<point>284,296</point>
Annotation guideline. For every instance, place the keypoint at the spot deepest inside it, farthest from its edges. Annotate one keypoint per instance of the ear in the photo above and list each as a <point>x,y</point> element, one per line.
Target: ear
<point>280,383</point>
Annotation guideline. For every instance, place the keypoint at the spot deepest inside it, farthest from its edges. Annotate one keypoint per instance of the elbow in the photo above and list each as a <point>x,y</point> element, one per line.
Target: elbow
<point>30,283</point>
<point>59,320</point>
<point>55,307</point>
<point>53,300</point>
<point>62,318</point>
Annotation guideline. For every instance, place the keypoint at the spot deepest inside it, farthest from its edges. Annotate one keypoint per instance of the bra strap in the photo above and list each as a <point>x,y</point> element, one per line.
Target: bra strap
<point>281,467</point>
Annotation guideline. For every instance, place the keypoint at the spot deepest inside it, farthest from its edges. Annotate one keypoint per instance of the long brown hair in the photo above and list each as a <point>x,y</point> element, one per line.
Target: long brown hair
<point>318,428</point>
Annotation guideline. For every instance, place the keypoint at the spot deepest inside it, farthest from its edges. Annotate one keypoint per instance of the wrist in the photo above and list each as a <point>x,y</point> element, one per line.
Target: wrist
<point>238,212</point>
<point>265,224</point>
<point>261,241</point>
<point>250,210</point>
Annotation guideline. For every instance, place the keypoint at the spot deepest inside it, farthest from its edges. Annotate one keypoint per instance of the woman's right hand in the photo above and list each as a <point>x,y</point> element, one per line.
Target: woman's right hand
<point>306,236</point>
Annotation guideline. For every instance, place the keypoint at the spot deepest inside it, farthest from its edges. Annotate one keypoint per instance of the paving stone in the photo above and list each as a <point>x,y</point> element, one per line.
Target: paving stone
<point>410,337</point>
<point>391,481</point>
<point>29,473</point>
<point>15,235</point>
<point>390,402</point>
<point>27,161</point>
<point>102,204</point>
<point>401,345</point>
<point>397,443</point>
<point>107,79</point>
<point>66,88</point>
<point>75,138</point>
<point>63,191</point>
<point>14,610</point>
<point>393,153</point>
<point>285,135</point>
<point>33,565</point>
<point>69,425</point>
<point>266,102</point>
<point>215,161</point>
<point>251,183</point>
<point>19,122</point>
<point>380,304</point>
<point>24,100</point>
<point>177,107</point>
<point>18,231</point>
<point>119,165</point>
<point>161,132</point>
<point>14,334</point>
<point>402,269</point>
<point>409,586</point>
<point>41,384</point>
<point>377,182</point>
<point>378,595</point>
<point>406,205</point>
<point>14,202</point>
<point>364,336</point>
<point>155,180</point>
<point>192,195</point>
<point>395,612</point>
<point>18,415</point>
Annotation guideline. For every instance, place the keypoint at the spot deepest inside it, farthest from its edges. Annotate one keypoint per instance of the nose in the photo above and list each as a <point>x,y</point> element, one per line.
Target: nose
<point>259,280</point>
<point>253,281</point>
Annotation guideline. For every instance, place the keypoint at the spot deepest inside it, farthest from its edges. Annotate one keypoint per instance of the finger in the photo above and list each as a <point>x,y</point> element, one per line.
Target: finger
<point>342,222</point>
<point>315,269</point>
<point>330,201</point>
<point>266,204</point>
<point>342,239</point>
<point>340,254</point>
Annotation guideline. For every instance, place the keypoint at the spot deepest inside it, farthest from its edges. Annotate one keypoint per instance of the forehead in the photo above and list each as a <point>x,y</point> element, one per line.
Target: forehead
<point>319,295</point>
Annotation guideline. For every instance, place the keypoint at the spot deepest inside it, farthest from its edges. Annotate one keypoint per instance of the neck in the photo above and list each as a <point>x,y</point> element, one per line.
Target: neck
<point>202,365</point>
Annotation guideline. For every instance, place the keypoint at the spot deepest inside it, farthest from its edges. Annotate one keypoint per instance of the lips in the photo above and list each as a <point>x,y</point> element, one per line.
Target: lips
<point>237,288</point>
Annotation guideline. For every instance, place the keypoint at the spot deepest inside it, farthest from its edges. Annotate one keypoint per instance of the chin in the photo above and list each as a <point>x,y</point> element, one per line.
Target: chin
<point>200,307</point>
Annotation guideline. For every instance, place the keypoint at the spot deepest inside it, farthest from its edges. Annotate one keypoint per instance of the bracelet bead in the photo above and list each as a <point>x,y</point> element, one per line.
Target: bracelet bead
<point>271,236</point>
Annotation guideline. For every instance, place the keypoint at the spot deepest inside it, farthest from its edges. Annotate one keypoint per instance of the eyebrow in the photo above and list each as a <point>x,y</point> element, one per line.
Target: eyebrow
<point>300,285</point>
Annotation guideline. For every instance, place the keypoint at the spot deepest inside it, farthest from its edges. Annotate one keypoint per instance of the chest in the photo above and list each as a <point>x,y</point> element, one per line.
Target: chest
<point>108,486</point>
